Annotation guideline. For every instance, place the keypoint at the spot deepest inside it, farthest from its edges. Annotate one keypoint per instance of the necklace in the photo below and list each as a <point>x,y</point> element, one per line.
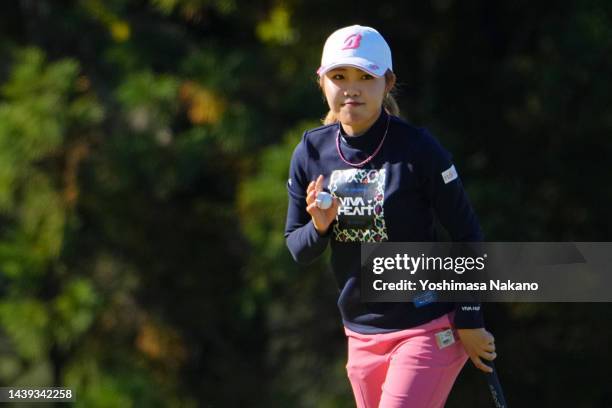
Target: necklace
<point>370,157</point>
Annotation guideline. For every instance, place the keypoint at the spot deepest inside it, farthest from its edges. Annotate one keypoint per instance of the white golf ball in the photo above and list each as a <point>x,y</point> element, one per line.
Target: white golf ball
<point>324,200</point>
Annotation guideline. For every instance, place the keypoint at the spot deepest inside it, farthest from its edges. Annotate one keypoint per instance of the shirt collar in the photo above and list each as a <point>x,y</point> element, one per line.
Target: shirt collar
<point>371,137</point>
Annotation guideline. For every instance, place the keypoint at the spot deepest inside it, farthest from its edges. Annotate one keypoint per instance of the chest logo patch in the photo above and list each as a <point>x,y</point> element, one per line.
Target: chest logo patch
<point>361,216</point>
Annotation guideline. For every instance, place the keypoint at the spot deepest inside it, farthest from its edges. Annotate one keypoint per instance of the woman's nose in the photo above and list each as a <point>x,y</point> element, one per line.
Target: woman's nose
<point>351,92</point>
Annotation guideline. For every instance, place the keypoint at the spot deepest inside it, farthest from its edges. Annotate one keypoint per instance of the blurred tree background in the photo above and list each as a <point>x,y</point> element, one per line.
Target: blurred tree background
<point>144,150</point>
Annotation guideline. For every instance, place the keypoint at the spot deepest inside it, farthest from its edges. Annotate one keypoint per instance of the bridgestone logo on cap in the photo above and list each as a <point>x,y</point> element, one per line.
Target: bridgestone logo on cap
<point>352,41</point>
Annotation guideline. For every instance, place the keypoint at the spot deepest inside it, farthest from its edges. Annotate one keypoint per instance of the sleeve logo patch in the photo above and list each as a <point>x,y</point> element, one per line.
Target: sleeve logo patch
<point>449,175</point>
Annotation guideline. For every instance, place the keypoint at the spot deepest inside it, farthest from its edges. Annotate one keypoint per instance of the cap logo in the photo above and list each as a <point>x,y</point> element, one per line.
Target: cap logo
<point>352,42</point>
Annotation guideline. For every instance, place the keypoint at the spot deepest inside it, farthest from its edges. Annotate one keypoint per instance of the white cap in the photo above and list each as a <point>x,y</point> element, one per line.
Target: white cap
<point>356,46</point>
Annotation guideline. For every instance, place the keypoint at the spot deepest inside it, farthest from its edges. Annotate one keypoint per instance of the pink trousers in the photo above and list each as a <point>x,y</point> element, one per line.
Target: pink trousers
<point>410,368</point>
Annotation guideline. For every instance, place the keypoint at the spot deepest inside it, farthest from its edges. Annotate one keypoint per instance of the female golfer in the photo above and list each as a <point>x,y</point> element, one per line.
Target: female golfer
<point>389,180</point>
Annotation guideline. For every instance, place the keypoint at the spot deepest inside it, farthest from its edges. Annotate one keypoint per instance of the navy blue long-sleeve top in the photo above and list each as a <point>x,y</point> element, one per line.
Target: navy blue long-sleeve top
<point>394,197</point>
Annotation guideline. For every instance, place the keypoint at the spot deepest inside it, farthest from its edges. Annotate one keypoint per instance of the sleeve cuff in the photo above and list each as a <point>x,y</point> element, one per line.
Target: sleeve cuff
<point>314,237</point>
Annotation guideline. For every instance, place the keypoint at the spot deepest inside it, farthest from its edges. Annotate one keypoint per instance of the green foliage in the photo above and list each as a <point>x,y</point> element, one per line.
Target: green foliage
<point>262,199</point>
<point>144,152</point>
<point>190,7</point>
<point>26,322</point>
<point>277,28</point>
<point>40,107</point>
<point>149,107</point>
<point>74,310</point>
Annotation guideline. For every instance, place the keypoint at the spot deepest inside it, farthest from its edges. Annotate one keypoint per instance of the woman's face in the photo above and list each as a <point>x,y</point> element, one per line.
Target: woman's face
<point>354,96</point>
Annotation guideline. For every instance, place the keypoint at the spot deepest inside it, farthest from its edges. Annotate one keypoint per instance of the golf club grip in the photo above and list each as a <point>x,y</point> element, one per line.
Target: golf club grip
<point>495,387</point>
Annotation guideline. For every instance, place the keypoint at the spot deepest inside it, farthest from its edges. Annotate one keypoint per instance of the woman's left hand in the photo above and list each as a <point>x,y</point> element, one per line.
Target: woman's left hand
<point>478,343</point>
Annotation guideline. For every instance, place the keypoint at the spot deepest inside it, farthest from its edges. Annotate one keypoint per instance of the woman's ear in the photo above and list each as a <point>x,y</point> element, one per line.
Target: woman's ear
<point>390,79</point>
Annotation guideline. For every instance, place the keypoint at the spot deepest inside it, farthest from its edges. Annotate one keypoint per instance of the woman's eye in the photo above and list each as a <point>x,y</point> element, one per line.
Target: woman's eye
<point>367,76</point>
<point>338,76</point>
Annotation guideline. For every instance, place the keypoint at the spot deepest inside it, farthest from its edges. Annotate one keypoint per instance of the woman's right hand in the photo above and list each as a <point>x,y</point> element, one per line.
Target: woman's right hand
<point>321,219</point>
<point>478,344</point>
